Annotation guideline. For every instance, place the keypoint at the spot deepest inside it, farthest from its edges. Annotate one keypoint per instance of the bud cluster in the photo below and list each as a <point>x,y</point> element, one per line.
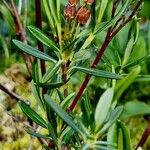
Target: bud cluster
<point>81,14</point>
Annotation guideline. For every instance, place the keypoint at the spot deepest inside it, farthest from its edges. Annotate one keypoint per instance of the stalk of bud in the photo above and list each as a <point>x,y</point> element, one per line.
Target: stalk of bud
<point>89,2</point>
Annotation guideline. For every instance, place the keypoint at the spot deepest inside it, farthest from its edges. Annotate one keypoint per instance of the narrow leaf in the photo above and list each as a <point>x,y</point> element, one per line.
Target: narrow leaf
<point>36,94</point>
<point>35,134</point>
<point>33,51</point>
<point>126,136</point>
<point>52,133</point>
<point>98,73</point>
<point>43,38</point>
<point>51,71</point>
<point>137,62</point>
<point>32,114</point>
<point>62,114</point>
<point>124,83</point>
<point>50,85</point>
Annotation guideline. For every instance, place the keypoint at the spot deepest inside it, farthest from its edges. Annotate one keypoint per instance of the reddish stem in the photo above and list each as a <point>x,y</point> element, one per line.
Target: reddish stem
<point>110,35</point>
<point>144,137</point>
<point>88,77</point>
<point>38,15</point>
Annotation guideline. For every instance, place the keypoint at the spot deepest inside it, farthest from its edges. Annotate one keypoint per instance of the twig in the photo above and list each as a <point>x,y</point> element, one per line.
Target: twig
<point>39,25</point>
<point>110,35</point>
<point>10,93</point>
<point>8,7</point>
<point>144,137</point>
<point>20,32</point>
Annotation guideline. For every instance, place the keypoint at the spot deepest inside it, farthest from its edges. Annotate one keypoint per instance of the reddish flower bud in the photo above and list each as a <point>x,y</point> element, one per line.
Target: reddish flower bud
<point>70,11</point>
<point>83,15</point>
<point>73,2</point>
<point>89,2</point>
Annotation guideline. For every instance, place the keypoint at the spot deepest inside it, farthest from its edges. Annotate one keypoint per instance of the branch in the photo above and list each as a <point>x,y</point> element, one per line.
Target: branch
<point>144,137</point>
<point>20,32</point>
<point>10,93</point>
<point>38,15</point>
<point>8,7</point>
<point>110,35</point>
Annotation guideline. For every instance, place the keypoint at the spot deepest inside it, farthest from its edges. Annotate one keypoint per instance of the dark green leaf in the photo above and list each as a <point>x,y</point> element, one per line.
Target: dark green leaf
<point>51,72</point>
<point>52,133</point>
<point>126,136</point>
<point>35,134</point>
<point>33,51</point>
<point>43,38</point>
<point>98,73</point>
<point>106,25</point>
<point>50,85</point>
<point>32,114</point>
<point>65,102</point>
<point>36,93</point>
<point>62,114</point>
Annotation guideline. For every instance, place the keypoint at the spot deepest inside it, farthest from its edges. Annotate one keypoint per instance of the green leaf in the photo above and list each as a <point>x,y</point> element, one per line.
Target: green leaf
<point>62,114</point>
<point>33,51</point>
<point>103,5</point>
<point>36,93</point>
<point>36,71</point>
<point>105,25</point>
<point>53,10</point>
<point>103,107</point>
<point>66,101</point>
<point>52,133</point>
<point>128,50</point>
<point>112,134</point>
<point>82,55</point>
<point>120,140</point>
<point>51,71</point>
<point>137,62</point>
<point>49,15</point>
<point>114,115</point>
<point>88,41</point>
<point>135,108</point>
<point>98,73</point>
<point>50,85</point>
<point>35,134</point>
<point>143,78</point>
<point>43,38</point>
<point>32,114</point>
<point>126,136</point>
<point>124,83</point>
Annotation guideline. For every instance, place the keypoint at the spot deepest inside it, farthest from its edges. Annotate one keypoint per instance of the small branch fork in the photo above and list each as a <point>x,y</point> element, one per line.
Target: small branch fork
<point>109,36</point>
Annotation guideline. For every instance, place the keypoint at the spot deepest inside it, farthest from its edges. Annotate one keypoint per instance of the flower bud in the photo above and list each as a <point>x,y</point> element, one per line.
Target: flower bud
<point>89,2</point>
<point>83,15</point>
<point>70,11</point>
